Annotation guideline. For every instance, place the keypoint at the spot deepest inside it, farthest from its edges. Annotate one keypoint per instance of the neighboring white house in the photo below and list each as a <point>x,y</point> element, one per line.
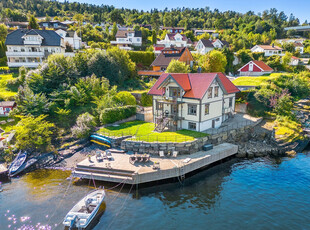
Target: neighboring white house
<point>126,39</point>
<point>175,39</point>
<point>71,37</point>
<point>194,101</point>
<point>268,50</point>
<point>299,47</point>
<point>211,32</point>
<point>205,45</point>
<point>294,61</point>
<point>30,48</point>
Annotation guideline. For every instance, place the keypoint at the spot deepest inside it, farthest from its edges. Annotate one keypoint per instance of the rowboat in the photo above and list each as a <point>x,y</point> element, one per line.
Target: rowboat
<point>17,163</point>
<point>81,215</point>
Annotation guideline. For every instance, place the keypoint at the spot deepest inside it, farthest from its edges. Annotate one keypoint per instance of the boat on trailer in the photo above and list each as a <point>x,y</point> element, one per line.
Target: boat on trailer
<point>81,215</point>
<point>17,163</point>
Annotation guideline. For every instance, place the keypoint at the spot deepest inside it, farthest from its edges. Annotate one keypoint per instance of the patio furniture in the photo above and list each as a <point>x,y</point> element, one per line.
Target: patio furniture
<point>99,157</point>
<point>146,157</point>
<point>175,153</point>
<point>156,165</point>
<point>161,154</point>
<point>168,153</point>
<point>132,159</point>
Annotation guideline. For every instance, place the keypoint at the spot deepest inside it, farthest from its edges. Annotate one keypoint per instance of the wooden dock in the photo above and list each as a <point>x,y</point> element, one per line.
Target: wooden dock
<point>120,170</point>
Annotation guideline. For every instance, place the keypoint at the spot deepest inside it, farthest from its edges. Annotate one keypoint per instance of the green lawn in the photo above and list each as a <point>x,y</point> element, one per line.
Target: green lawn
<point>256,81</point>
<point>143,131</point>
<point>250,81</point>
<point>5,92</point>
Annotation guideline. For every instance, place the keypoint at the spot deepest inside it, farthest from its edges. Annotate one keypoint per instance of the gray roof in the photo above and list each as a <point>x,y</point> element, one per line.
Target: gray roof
<point>50,37</point>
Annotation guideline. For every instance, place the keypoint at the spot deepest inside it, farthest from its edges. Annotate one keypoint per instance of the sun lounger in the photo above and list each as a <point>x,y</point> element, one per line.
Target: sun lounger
<point>175,153</point>
<point>161,154</point>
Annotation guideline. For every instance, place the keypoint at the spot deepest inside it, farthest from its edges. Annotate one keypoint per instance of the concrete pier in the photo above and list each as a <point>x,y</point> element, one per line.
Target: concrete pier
<point>120,170</point>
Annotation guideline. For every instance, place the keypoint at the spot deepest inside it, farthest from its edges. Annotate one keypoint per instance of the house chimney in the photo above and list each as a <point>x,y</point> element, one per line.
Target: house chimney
<point>272,45</point>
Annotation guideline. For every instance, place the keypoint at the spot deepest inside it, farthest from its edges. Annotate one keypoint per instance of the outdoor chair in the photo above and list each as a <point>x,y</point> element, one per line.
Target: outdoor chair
<point>156,165</point>
<point>175,153</point>
<point>168,153</point>
<point>161,154</point>
<point>132,159</point>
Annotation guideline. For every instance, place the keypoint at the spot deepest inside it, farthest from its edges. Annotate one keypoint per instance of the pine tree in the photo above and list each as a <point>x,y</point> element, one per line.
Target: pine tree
<point>33,23</point>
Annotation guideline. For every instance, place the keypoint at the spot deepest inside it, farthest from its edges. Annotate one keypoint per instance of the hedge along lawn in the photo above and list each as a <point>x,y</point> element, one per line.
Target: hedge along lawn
<point>6,93</point>
<point>143,131</point>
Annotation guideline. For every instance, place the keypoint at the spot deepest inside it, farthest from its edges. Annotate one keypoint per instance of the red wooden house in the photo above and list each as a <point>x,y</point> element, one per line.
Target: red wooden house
<point>255,68</point>
<point>6,107</point>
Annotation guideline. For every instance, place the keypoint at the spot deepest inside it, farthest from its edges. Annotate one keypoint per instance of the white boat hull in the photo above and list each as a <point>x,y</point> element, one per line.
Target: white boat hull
<point>81,215</point>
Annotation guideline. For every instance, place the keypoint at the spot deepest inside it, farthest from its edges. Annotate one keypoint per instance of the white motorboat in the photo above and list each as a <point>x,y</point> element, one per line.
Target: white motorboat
<point>17,163</point>
<point>85,210</point>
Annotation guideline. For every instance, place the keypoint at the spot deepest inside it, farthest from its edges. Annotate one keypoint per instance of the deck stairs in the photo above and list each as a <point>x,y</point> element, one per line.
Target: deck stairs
<point>106,174</point>
<point>161,124</point>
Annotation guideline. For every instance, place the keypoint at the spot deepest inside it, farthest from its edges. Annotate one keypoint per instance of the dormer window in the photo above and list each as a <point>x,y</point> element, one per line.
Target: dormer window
<point>174,92</point>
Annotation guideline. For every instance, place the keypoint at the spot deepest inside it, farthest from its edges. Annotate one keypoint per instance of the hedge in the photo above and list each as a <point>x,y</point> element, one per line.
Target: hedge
<point>112,115</point>
<point>146,100</point>
<point>144,57</point>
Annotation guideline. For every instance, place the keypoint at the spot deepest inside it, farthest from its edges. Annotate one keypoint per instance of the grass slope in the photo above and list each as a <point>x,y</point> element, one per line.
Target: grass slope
<point>5,92</point>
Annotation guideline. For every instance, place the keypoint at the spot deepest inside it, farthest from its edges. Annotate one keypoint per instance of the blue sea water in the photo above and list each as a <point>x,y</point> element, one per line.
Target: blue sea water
<point>262,193</point>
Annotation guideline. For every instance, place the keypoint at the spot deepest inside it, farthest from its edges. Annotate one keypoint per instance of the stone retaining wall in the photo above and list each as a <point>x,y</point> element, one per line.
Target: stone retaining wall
<point>184,147</point>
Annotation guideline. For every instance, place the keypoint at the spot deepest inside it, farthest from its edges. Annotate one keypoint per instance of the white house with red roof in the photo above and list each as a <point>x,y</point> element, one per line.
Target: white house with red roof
<point>255,68</point>
<point>175,39</point>
<point>268,50</point>
<point>294,61</point>
<point>194,101</point>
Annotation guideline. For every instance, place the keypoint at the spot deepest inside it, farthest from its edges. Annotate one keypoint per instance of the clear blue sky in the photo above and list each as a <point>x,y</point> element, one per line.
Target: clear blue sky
<point>300,8</point>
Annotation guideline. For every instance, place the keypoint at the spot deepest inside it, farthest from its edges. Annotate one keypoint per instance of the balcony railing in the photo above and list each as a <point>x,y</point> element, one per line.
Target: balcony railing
<point>25,64</point>
<point>25,54</point>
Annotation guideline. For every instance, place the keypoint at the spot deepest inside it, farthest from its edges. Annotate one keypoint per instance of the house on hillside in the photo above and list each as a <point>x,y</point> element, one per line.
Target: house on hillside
<point>205,45</point>
<point>211,32</point>
<point>176,39</point>
<point>56,25</point>
<point>71,37</point>
<point>174,53</point>
<point>173,29</point>
<point>255,68</point>
<point>126,39</point>
<point>6,107</point>
<point>294,61</point>
<point>299,47</point>
<point>268,50</point>
<point>193,101</point>
<point>30,48</point>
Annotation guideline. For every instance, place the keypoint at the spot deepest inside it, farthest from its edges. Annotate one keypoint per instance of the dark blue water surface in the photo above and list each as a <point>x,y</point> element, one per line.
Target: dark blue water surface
<point>262,193</point>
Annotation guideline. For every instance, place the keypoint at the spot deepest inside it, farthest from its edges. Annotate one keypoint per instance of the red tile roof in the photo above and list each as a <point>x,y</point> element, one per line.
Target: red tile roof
<point>263,65</point>
<point>270,47</point>
<point>228,85</point>
<point>195,84</point>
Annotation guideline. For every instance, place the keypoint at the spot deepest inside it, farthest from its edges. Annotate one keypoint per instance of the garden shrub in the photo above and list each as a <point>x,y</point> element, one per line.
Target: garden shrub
<point>112,115</point>
<point>146,100</point>
<point>85,124</point>
<point>142,57</point>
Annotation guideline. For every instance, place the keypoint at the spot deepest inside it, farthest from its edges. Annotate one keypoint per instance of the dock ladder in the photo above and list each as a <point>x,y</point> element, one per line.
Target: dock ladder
<point>182,172</point>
